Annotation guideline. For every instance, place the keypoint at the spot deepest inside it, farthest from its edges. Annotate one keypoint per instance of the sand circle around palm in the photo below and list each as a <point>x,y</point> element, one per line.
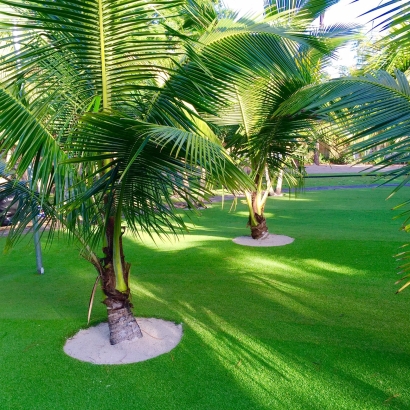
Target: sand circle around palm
<point>93,345</point>
<point>269,240</point>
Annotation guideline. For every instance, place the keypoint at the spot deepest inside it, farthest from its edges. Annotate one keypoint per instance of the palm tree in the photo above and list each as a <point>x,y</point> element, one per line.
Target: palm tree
<point>268,137</point>
<point>82,108</point>
<point>265,141</point>
<point>101,101</point>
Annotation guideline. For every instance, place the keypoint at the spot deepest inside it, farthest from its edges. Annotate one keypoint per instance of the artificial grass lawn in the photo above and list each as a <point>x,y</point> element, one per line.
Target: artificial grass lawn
<point>312,325</point>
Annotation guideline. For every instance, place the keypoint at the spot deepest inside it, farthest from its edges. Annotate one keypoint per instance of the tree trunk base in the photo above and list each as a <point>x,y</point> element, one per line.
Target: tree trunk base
<point>261,230</point>
<point>123,325</point>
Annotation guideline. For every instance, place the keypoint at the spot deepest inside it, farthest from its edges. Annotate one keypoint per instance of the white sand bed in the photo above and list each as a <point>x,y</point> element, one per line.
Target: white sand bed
<point>93,344</point>
<point>269,240</point>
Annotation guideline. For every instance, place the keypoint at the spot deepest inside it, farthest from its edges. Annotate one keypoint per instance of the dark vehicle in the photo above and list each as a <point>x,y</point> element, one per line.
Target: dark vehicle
<point>7,211</point>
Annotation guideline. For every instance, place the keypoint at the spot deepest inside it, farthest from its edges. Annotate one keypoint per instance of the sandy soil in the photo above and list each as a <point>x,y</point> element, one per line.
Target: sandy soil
<point>93,344</point>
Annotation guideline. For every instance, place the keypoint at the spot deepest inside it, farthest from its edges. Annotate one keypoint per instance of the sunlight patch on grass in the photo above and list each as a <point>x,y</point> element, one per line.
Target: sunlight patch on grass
<point>270,283</point>
<point>275,266</point>
<point>292,197</point>
<point>186,242</point>
<point>288,297</point>
<point>331,267</point>
<point>242,356</point>
<point>142,290</point>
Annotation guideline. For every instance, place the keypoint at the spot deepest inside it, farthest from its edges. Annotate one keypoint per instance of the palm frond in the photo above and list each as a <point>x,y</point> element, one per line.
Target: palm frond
<point>149,163</point>
<point>374,110</point>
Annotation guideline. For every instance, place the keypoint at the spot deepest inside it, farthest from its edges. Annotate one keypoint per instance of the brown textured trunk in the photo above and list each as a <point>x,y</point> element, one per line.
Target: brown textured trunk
<point>121,321</point>
<point>256,205</point>
<point>122,324</point>
<point>259,231</point>
<point>257,221</point>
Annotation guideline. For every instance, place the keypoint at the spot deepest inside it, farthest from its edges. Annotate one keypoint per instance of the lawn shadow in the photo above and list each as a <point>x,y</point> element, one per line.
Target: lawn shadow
<point>261,313</point>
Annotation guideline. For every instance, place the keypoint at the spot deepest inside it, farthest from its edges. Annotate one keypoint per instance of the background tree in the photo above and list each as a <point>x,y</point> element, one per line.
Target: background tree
<point>266,136</point>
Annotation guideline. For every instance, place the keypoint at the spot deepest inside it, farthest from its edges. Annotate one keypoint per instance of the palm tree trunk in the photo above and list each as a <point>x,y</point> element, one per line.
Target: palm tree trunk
<point>256,203</point>
<point>279,182</point>
<point>260,229</point>
<point>316,155</point>
<point>269,185</point>
<point>121,321</point>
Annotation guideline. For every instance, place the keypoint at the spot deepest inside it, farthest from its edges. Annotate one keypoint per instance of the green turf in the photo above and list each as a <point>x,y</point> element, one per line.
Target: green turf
<point>312,325</point>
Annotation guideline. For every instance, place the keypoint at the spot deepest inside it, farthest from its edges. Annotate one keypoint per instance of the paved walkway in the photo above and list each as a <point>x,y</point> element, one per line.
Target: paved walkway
<point>333,169</point>
<point>311,170</point>
<point>345,169</point>
<point>333,187</point>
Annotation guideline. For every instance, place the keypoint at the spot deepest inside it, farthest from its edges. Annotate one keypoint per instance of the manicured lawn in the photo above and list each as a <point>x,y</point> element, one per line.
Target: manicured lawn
<point>312,325</point>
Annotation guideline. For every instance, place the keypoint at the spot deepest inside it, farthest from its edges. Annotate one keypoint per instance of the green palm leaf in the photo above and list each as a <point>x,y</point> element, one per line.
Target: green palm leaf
<point>375,114</point>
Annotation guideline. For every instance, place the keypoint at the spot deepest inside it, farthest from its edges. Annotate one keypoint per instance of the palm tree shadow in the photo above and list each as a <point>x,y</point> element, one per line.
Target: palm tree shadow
<point>271,325</point>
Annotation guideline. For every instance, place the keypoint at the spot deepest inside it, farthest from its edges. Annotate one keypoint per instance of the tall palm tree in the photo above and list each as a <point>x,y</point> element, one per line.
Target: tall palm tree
<point>101,101</point>
<point>81,107</point>
<point>265,141</point>
<point>267,137</point>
